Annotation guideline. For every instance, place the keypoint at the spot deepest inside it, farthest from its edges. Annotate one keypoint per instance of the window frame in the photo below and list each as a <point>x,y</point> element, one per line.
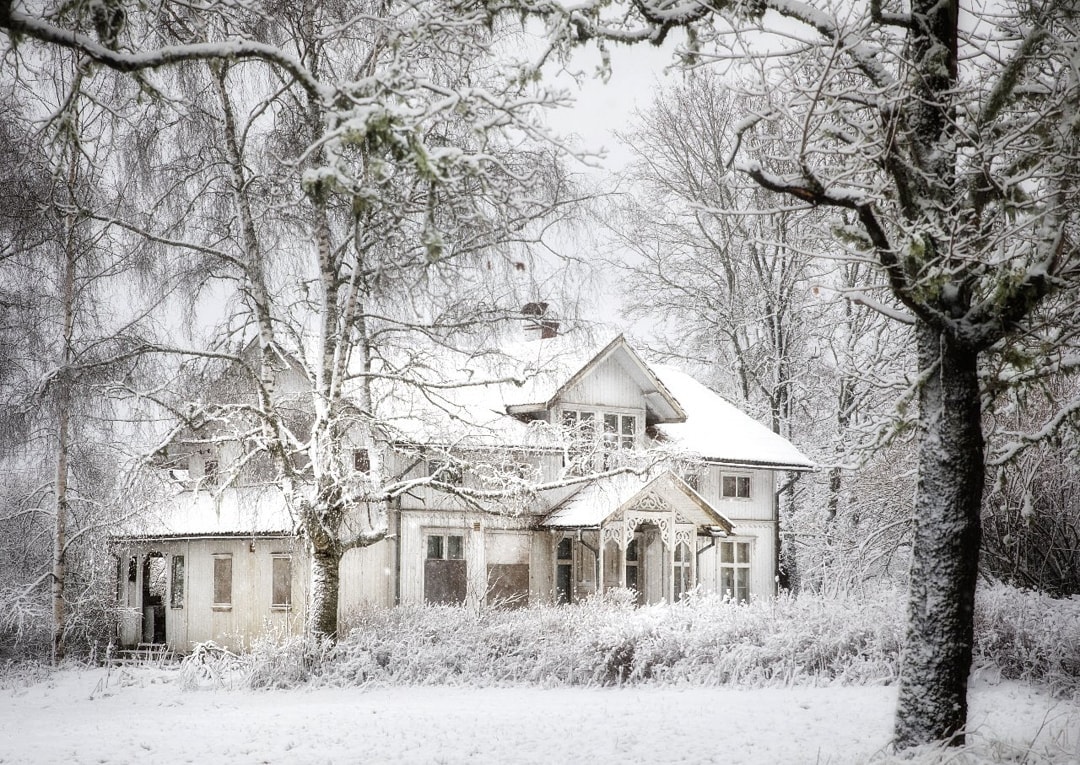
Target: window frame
<point>276,603</point>
<point>219,604</point>
<point>682,571</point>
<point>444,538</point>
<point>742,480</point>
<point>738,565</point>
<point>176,581</point>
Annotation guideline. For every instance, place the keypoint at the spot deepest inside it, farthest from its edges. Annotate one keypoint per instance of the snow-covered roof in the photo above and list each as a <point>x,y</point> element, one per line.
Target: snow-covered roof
<point>233,511</point>
<point>598,500</point>
<point>718,431</point>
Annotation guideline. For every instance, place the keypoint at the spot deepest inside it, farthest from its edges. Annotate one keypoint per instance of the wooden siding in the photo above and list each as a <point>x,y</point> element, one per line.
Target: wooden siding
<point>762,559</point>
<point>249,615</point>
<point>476,529</point>
<point>367,578</point>
<point>607,385</point>
<point>759,507</point>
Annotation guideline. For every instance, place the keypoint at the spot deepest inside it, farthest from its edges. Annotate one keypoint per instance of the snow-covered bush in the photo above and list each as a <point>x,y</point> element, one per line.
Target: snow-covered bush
<point>1030,636</point>
<point>607,641</point>
<point>810,639</point>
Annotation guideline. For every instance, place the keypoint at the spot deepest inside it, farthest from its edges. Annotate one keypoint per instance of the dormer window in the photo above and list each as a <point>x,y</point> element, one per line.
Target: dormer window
<point>619,430</point>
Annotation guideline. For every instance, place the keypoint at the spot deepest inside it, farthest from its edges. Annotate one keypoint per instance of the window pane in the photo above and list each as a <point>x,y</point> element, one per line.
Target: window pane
<point>631,550</point>
<point>726,554</point>
<point>743,551</point>
<point>729,485</point>
<point>282,575</point>
<point>569,418</point>
<point>628,424</point>
<point>611,423</point>
<point>361,460</point>
<point>744,486</point>
<point>435,548</point>
<point>223,580</point>
<point>176,592</point>
<point>742,584</point>
<point>565,551</point>
<point>455,548</point>
<point>727,581</point>
<point>682,553</point>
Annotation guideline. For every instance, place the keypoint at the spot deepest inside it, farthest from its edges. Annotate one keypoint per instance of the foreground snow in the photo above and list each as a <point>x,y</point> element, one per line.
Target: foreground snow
<point>143,715</point>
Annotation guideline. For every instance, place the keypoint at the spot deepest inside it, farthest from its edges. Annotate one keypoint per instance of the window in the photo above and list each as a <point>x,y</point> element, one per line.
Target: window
<point>445,571</point>
<point>176,582</point>
<point>281,575</point>
<point>361,461</point>
<point>683,571</point>
<point>735,486</point>
<point>619,430</point>
<point>223,581</point>
<point>564,571</point>
<point>632,565</point>
<point>445,471</point>
<point>735,570</point>
<point>595,431</point>
<point>692,478</point>
<point>210,471</point>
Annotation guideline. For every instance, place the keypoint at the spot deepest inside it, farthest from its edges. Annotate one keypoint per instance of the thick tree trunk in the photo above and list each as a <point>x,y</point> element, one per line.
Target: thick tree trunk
<point>323,604</point>
<point>936,660</point>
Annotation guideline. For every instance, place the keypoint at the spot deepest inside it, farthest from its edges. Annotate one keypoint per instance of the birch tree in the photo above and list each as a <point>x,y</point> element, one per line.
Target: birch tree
<point>372,179</point>
<point>950,135</point>
<point>62,350</point>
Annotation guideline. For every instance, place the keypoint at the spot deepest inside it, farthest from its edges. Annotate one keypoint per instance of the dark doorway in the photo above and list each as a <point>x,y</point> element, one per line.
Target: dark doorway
<point>153,598</point>
<point>445,579</point>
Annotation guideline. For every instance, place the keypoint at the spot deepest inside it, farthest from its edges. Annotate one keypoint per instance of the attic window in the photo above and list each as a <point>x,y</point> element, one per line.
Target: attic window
<point>361,461</point>
<point>735,486</point>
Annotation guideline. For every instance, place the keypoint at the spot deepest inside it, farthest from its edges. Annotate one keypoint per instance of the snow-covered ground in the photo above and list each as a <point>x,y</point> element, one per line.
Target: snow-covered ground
<point>144,716</point>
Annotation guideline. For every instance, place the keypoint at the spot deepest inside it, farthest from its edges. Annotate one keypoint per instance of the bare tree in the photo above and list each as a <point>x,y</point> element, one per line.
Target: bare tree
<point>949,136</point>
<point>367,181</point>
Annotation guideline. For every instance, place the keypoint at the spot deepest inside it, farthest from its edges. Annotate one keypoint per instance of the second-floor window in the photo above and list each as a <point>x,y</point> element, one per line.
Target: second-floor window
<point>596,436</point>
<point>735,486</point>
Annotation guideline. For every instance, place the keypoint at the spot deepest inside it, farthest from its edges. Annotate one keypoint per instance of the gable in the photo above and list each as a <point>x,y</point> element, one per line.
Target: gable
<point>609,498</point>
<point>615,377</point>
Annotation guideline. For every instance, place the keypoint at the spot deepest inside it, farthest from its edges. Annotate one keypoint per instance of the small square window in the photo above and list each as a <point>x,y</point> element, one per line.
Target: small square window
<point>361,461</point>
<point>735,486</point>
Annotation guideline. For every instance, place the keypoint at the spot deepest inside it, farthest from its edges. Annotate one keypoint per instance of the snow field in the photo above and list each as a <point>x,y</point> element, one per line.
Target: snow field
<point>144,715</point>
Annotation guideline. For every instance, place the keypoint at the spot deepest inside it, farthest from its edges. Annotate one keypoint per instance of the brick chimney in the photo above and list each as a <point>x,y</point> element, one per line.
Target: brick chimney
<point>538,323</point>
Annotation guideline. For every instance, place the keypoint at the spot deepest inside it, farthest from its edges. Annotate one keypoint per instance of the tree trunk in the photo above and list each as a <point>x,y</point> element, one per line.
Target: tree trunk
<point>325,581</point>
<point>63,426</point>
<point>936,660</point>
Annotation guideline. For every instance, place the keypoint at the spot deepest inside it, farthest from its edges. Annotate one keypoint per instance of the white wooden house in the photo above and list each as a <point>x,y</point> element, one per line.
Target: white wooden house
<point>648,481</point>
